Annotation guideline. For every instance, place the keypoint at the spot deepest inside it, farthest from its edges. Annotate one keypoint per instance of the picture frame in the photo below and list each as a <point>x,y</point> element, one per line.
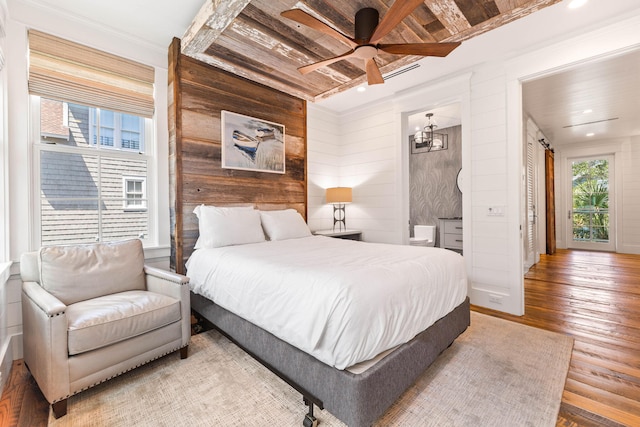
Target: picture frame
<point>252,144</point>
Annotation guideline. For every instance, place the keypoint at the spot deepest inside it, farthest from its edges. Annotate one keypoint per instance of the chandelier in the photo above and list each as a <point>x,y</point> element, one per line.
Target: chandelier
<point>427,140</point>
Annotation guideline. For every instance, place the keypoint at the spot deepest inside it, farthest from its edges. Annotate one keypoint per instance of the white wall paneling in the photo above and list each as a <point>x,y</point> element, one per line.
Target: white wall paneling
<point>323,165</point>
<point>369,166</point>
<point>629,197</point>
<point>496,261</point>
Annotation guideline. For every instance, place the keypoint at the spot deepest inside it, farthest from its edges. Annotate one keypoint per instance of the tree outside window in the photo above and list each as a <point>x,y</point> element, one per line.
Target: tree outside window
<point>591,200</point>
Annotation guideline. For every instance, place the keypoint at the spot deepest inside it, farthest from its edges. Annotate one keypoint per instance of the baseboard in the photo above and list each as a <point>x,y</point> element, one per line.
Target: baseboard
<point>629,249</point>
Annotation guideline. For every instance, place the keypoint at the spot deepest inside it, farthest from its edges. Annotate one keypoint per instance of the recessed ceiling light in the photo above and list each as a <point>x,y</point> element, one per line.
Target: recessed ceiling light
<point>574,4</point>
<point>587,111</point>
<point>361,89</point>
<point>590,134</point>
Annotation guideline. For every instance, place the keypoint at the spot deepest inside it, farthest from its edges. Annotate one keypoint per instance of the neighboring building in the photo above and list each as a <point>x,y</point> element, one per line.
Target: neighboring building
<point>91,192</point>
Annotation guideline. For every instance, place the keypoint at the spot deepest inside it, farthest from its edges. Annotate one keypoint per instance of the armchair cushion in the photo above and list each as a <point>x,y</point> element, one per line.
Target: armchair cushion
<point>106,320</point>
<point>79,273</point>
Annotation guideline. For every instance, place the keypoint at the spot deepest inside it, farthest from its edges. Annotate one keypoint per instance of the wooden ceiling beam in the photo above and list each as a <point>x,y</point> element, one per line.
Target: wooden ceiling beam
<point>449,14</point>
<point>211,20</point>
<point>251,39</point>
<point>497,21</point>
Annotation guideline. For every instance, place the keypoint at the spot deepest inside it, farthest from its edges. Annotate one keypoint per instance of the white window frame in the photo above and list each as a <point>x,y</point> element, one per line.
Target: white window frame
<point>149,154</point>
<point>125,194</point>
<point>65,114</point>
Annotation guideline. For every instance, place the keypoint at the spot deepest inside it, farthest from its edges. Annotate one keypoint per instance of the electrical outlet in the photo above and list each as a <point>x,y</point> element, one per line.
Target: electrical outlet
<point>495,299</point>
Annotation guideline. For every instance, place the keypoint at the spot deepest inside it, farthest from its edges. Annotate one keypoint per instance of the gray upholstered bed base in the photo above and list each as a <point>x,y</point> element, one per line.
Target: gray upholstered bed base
<point>358,400</point>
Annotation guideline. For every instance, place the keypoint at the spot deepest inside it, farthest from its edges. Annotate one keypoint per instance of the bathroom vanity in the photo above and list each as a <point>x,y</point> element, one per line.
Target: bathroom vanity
<point>451,233</point>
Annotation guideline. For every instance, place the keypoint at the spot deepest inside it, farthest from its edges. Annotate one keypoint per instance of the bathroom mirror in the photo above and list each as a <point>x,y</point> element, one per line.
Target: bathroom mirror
<point>459,180</point>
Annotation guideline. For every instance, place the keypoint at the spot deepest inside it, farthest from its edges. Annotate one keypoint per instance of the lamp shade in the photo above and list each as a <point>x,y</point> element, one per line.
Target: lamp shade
<point>339,195</point>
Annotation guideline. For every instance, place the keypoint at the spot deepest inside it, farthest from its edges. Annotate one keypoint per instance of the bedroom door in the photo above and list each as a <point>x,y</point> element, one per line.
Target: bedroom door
<point>590,214</point>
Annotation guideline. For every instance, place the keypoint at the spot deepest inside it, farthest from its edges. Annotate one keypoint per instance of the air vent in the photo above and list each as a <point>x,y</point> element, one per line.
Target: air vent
<point>402,71</point>
<point>590,123</point>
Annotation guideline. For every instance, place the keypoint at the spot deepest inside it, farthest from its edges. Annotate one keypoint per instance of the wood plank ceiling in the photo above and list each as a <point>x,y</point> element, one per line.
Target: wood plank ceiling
<point>251,39</point>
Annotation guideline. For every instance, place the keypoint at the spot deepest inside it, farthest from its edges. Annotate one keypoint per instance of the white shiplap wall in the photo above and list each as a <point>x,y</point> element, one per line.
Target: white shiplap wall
<point>323,164</point>
<point>630,193</point>
<point>357,151</point>
<point>369,165</point>
<point>494,260</point>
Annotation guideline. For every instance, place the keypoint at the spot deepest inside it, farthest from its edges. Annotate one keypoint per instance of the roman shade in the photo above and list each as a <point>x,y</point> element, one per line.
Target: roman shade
<point>66,71</point>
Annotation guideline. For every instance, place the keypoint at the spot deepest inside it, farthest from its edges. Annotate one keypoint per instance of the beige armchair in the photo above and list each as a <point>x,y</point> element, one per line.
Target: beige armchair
<point>92,312</point>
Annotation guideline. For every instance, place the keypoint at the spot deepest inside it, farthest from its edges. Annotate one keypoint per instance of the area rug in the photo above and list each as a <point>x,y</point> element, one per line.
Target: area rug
<point>497,373</point>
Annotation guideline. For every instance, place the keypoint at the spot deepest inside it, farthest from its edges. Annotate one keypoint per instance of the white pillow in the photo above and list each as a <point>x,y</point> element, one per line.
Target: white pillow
<point>227,226</point>
<point>283,225</point>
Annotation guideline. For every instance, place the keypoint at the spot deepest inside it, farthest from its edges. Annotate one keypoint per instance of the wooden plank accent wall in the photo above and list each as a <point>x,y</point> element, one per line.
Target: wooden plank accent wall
<point>197,94</point>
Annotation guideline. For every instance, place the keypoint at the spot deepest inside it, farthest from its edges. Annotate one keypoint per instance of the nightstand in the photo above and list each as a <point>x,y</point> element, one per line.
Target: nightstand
<point>345,234</point>
<point>451,233</point>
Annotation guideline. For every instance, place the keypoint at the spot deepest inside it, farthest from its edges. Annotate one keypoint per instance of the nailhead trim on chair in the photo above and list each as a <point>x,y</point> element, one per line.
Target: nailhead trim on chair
<point>120,373</point>
<point>57,314</point>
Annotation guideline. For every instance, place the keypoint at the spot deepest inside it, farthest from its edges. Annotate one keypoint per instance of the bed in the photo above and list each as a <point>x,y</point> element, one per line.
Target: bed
<point>319,312</point>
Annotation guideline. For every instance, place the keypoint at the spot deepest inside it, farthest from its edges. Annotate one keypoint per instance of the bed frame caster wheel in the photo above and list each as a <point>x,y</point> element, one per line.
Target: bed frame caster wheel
<point>310,421</point>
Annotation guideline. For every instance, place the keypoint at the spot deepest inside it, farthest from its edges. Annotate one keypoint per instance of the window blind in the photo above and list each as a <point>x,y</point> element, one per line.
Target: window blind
<point>66,71</point>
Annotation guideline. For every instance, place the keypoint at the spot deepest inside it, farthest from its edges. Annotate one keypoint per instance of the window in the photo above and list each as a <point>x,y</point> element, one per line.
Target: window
<point>91,116</point>
<point>122,131</point>
<point>90,191</point>
<point>134,193</point>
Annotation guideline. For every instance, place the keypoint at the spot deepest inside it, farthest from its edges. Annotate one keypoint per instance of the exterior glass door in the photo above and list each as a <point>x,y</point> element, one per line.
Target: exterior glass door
<point>591,215</point>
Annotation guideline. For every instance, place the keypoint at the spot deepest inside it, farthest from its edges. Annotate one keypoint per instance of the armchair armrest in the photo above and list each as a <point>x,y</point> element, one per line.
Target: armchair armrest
<point>166,275</point>
<point>176,286</point>
<point>45,340</point>
<point>165,282</point>
<point>49,304</point>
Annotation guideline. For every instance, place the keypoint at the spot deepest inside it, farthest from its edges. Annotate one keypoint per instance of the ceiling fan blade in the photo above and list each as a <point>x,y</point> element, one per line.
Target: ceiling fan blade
<point>312,67</point>
<point>396,13</point>
<point>374,76</point>
<point>304,18</point>
<point>422,49</point>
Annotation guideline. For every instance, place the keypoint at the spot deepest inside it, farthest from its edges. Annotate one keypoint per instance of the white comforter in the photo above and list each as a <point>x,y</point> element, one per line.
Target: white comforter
<point>341,301</point>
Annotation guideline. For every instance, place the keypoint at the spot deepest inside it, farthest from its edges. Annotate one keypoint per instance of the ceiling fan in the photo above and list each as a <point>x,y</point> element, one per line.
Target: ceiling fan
<point>367,33</point>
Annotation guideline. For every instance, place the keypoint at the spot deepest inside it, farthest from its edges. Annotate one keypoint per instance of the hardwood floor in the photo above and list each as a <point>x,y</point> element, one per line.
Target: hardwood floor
<point>592,296</point>
<point>595,298</point>
<point>22,403</point>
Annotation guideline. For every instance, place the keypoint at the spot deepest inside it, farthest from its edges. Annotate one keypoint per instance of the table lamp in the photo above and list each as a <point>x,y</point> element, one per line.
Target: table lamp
<point>338,197</point>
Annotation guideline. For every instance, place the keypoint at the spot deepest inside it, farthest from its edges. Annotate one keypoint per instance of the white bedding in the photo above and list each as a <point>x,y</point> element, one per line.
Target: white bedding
<point>341,301</point>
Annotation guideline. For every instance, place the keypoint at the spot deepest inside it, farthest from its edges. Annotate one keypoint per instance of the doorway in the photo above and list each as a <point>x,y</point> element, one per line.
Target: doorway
<point>590,210</point>
<point>433,171</point>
